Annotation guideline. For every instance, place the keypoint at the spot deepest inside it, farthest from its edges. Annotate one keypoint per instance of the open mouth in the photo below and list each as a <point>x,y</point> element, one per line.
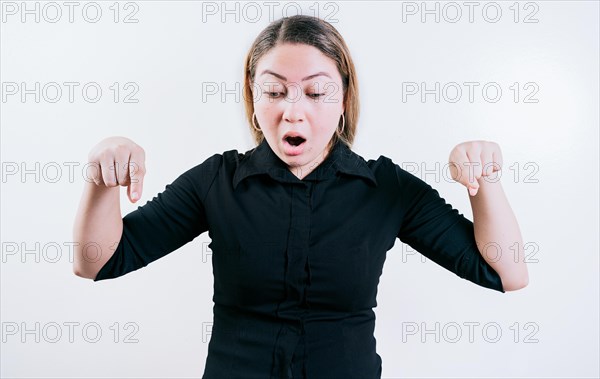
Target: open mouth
<point>295,141</point>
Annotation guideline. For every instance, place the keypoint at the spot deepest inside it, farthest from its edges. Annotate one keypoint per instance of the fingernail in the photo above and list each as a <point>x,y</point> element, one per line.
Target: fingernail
<point>134,195</point>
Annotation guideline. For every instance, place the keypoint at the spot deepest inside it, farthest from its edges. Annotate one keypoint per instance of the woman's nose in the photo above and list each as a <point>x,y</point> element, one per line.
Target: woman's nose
<point>294,104</point>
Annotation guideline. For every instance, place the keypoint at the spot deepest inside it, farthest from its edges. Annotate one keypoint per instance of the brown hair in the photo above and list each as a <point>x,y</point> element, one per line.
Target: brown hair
<point>318,33</point>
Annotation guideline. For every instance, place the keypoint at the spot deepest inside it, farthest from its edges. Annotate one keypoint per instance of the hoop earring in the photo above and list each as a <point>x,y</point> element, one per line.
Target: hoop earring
<point>343,126</point>
<point>254,124</point>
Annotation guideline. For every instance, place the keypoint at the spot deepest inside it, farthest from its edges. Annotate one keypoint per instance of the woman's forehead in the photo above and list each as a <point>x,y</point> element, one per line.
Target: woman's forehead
<point>296,63</point>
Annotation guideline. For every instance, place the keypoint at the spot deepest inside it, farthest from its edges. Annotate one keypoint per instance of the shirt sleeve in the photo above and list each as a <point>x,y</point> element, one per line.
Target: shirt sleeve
<point>440,233</point>
<point>171,219</point>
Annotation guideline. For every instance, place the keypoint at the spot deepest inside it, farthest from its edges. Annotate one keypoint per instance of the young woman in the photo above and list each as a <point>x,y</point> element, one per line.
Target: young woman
<point>300,225</point>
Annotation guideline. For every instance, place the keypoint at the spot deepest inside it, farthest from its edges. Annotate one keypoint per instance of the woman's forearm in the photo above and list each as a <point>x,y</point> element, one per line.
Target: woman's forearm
<point>97,229</point>
<point>498,235</point>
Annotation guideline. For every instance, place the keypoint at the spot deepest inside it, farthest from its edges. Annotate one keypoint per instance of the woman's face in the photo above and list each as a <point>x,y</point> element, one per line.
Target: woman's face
<point>298,102</point>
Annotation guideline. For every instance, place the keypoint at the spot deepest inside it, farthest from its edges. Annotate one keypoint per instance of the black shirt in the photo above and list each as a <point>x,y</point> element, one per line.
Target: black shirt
<point>296,263</point>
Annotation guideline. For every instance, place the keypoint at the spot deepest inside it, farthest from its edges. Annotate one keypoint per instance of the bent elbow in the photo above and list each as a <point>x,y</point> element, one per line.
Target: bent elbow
<point>516,284</point>
<point>82,274</point>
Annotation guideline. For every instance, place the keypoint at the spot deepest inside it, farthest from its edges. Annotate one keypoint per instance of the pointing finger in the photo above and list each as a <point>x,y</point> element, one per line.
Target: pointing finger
<point>137,171</point>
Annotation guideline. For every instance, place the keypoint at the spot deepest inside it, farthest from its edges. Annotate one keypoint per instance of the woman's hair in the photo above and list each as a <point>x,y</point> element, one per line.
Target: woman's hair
<point>318,33</point>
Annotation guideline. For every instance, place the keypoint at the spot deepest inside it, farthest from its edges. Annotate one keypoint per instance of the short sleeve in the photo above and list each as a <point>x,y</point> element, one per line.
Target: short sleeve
<point>439,232</point>
<point>165,223</point>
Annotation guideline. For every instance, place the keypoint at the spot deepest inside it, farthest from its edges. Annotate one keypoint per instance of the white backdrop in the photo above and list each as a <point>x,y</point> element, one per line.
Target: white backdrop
<point>168,72</point>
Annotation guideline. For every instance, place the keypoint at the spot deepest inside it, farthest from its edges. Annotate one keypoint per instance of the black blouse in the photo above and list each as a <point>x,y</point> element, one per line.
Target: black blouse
<point>296,263</point>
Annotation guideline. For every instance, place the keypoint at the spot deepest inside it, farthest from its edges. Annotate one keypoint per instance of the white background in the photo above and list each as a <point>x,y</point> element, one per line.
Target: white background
<point>550,175</point>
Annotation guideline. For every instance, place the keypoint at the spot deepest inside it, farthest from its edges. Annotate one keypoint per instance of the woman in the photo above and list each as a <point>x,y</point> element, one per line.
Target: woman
<point>300,224</point>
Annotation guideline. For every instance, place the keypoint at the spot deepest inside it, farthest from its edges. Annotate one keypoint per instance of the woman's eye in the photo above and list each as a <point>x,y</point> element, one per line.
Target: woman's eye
<point>273,94</point>
<point>279,94</point>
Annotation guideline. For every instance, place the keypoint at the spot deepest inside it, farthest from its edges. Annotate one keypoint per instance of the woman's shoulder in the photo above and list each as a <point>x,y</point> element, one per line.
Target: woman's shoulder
<point>381,164</point>
<point>387,170</point>
<point>218,159</point>
<point>227,160</point>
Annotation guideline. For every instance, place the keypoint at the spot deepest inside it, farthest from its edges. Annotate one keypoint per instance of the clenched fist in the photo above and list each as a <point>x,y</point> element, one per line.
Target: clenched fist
<point>471,160</point>
<point>118,161</point>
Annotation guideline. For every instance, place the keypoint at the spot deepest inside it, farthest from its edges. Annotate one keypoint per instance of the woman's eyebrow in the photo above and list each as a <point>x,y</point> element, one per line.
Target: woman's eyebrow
<point>303,79</point>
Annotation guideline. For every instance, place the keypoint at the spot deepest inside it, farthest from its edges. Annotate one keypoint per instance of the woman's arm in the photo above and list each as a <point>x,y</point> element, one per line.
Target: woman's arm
<point>498,235</point>
<point>97,229</point>
<point>98,224</point>
<point>496,229</point>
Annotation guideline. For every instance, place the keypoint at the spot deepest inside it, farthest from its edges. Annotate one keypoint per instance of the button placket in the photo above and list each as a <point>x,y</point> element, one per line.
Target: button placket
<point>291,310</point>
<point>297,250</point>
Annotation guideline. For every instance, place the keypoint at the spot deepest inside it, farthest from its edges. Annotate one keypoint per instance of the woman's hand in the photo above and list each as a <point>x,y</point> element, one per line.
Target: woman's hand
<point>119,162</point>
<point>471,160</point>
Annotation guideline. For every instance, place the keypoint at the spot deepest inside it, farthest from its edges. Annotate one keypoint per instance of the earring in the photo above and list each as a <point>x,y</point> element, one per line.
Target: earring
<point>254,124</point>
<point>343,126</point>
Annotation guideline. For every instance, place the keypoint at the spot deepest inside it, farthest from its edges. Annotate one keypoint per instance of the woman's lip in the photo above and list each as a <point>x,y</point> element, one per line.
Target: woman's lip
<point>292,150</point>
<point>293,135</point>
<point>286,139</point>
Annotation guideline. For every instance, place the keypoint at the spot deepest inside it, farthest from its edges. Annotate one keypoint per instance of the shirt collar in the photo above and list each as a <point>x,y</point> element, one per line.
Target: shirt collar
<point>262,160</point>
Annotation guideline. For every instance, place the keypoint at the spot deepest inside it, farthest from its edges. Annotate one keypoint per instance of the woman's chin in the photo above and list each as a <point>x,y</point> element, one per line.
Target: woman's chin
<point>296,164</point>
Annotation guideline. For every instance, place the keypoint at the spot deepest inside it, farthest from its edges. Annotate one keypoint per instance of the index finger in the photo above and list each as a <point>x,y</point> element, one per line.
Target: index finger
<point>137,170</point>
